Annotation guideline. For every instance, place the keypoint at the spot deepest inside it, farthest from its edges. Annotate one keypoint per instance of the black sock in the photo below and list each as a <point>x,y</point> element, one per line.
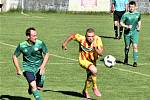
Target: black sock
<point>126,51</point>
<point>121,30</point>
<point>116,30</point>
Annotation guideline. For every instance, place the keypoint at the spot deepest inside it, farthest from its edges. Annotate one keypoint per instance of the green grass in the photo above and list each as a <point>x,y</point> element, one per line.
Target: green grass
<point>64,77</point>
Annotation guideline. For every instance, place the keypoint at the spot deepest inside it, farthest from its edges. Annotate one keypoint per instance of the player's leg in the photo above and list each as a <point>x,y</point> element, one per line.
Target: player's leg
<point>40,80</point>
<point>30,77</point>
<point>93,71</point>
<point>135,48</point>
<point>116,24</point>
<point>84,64</point>
<point>87,85</point>
<point>127,42</point>
<point>120,27</point>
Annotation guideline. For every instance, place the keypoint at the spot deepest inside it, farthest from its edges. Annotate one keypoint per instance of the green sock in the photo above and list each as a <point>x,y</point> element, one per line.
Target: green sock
<point>37,95</point>
<point>135,56</point>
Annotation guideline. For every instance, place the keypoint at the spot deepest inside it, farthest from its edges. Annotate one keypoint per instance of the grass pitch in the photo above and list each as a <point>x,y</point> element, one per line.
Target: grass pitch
<point>64,77</point>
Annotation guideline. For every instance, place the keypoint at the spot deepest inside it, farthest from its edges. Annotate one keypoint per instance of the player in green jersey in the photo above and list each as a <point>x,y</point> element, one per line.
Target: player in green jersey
<point>35,57</point>
<point>132,23</point>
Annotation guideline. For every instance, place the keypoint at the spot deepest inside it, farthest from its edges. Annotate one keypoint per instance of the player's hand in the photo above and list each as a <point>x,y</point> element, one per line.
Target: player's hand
<point>19,72</point>
<point>129,26</point>
<point>42,70</point>
<point>99,51</point>
<point>112,10</point>
<point>138,29</point>
<point>64,47</point>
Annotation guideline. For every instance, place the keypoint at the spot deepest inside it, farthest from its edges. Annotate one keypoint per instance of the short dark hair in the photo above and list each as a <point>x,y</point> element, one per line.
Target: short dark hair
<point>89,30</point>
<point>28,30</point>
<point>132,3</point>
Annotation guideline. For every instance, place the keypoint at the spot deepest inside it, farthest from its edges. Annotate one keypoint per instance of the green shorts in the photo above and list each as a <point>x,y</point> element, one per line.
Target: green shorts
<point>131,37</point>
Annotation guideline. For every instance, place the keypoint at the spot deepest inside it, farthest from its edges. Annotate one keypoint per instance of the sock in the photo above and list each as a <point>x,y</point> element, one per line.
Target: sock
<point>87,83</point>
<point>121,30</point>
<point>94,81</point>
<point>135,56</point>
<point>37,95</point>
<point>116,30</point>
<point>126,51</point>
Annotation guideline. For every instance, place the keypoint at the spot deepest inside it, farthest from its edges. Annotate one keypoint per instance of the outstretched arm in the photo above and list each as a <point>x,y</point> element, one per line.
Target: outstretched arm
<point>71,37</point>
<point>16,63</point>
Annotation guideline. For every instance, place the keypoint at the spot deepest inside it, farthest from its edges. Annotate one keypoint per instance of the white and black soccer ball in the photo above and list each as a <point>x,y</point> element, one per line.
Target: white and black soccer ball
<point>109,61</point>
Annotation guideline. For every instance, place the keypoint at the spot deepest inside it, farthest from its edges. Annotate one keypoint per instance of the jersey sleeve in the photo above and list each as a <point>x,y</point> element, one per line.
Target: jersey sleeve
<point>44,48</point>
<point>123,18</point>
<point>78,37</point>
<point>17,51</point>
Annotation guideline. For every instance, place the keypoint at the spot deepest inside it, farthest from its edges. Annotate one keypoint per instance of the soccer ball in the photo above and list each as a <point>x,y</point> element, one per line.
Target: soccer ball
<point>109,61</point>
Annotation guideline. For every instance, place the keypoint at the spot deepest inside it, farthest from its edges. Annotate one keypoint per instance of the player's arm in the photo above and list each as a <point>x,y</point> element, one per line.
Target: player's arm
<point>17,66</point>
<point>127,7</point>
<point>125,26</point>
<point>15,60</point>
<point>99,50</point>
<point>122,22</point>
<point>112,7</point>
<point>71,37</point>
<point>45,60</point>
<point>139,26</point>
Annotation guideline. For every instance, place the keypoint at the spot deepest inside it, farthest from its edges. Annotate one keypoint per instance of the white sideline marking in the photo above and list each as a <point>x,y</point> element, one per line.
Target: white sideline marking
<point>31,16</point>
<point>7,44</point>
<point>132,72</point>
<point>63,57</point>
<point>146,75</point>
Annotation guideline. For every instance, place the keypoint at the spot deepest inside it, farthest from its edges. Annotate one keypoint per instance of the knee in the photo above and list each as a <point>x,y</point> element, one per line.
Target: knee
<point>127,47</point>
<point>33,85</point>
<point>135,48</point>
<point>93,69</point>
<point>116,23</point>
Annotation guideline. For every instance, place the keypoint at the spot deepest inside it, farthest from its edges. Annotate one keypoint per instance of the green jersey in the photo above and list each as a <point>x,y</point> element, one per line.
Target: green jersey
<point>32,54</point>
<point>131,19</point>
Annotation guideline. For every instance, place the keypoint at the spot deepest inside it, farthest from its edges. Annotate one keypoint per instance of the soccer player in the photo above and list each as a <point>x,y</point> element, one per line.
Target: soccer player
<point>90,48</point>
<point>35,57</point>
<point>118,8</point>
<point>132,22</point>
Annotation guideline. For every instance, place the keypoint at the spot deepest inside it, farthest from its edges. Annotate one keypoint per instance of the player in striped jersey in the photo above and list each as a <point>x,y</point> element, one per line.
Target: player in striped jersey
<point>90,48</point>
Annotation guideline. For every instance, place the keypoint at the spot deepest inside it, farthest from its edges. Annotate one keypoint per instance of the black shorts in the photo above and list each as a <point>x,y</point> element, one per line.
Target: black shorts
<point>118,15</point>
<point>31,77</point>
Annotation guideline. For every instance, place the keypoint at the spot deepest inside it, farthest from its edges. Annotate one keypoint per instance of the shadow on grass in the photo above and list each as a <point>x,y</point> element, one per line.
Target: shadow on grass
<point>8,97</point>
<point>109,37</point>
<point>119,62</point>
<point>70,93</point>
